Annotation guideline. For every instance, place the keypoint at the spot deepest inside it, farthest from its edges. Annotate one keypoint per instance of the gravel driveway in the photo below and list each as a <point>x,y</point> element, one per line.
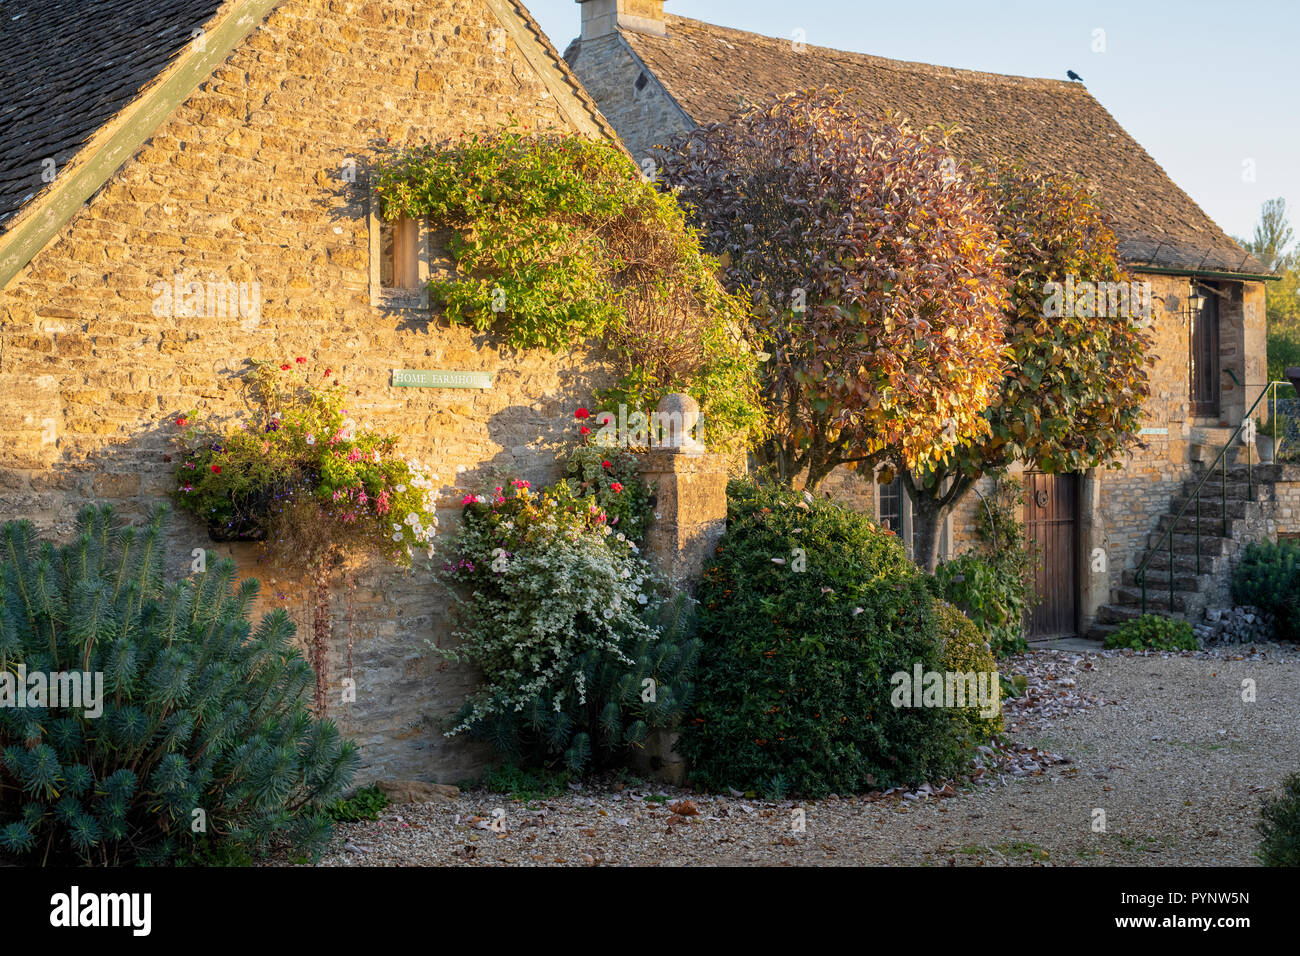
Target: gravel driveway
<point>1162,743</point>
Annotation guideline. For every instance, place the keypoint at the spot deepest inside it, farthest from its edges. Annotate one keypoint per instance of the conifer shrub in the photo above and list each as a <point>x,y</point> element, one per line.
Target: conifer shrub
<point>806,612</point>
<point>203,748</point>
<point>1279,826</point>
<point>1268,577</point>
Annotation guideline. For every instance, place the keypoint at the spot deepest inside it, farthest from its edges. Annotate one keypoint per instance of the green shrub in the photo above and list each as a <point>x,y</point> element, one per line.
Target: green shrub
<point>1283,350</point>
<point>580,658</point>
<point>991,593</point>
<point>993,584</point>
<point>365,804</point>
<point>965,651</point>
<point>806,612</point>
<point>523,783</point>
<point>1279,825</point>
<point>1153,632</point>
<point>199,711</point>
<point>1268,577</point>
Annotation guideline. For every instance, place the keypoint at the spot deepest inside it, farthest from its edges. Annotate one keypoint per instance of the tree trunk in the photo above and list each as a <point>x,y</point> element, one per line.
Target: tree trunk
<point>929,508</point>
<point>927,525</point>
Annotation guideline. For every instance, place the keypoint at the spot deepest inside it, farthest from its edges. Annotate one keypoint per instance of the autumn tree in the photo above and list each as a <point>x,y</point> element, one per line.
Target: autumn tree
<point>875,272</point>
<point>1072,395</point>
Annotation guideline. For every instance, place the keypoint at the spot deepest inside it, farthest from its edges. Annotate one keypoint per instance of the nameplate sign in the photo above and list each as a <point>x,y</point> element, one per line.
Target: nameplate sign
<point>1154,431</point>
<point>435,378</point>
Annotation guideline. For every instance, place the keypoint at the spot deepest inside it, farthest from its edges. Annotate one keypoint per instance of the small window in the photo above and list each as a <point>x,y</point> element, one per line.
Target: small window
<point>399,261</point>
<point>894,511</point>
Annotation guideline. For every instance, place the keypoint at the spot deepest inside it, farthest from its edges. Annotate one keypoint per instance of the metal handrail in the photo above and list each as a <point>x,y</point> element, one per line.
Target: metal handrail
<point>1195,497</point>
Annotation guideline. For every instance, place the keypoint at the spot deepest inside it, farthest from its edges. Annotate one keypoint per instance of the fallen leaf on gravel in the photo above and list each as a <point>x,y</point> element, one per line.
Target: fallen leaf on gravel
<point>685,808</point>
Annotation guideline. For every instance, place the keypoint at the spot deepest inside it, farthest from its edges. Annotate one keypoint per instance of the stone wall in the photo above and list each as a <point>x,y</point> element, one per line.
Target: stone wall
<point>246,182</point>
<point>629,95</point>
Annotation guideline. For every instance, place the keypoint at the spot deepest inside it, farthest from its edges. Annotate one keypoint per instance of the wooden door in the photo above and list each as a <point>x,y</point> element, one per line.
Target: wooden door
<point>1204,359</point>
<point>1052,530</point>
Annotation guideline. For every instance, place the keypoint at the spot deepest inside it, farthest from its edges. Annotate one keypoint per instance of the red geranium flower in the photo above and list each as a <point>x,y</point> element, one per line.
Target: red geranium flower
<point>584,430</point>
<point>216,469</point>
<point>182,421</point>
<point>582,413</point>
<point>615,487</point>
<point>300,360</point>
<point>285,367</point>
<point>605,464</point>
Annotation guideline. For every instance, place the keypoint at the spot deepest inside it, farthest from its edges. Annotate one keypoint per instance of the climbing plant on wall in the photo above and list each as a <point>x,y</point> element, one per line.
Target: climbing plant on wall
<point>558,241</point>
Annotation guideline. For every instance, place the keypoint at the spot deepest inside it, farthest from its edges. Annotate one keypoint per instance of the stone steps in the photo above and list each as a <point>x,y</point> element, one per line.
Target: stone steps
<point>1237,493</point>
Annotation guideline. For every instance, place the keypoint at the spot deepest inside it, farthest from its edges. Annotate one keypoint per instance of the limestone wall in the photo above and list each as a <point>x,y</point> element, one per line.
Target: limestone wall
<point>246,182</point>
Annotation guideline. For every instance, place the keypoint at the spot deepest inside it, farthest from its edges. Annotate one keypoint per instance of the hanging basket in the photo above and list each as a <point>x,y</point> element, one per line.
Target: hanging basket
<point>250,518</point>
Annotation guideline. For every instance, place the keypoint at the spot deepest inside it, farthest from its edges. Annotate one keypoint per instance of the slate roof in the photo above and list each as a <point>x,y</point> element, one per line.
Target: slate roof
<point>1049,124</point>
<point>67,67</point>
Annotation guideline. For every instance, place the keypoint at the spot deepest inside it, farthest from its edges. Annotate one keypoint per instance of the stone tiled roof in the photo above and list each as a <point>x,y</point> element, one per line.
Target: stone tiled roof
<point>1051,125</point>
<point>67,67</point>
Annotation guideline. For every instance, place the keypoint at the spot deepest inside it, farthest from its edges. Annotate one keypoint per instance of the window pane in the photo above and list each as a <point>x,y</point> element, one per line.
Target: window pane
<point>891,506</point>
<point>399,261</point>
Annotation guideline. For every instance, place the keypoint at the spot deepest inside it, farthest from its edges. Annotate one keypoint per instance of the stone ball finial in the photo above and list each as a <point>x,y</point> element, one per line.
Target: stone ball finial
<point>678,420</point>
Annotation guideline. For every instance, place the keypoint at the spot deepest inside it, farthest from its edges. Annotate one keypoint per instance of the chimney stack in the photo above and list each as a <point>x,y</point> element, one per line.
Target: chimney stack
<point>604,17</point>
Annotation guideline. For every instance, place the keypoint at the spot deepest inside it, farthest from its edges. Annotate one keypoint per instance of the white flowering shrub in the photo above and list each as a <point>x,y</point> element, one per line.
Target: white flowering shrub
<point>565,621</point>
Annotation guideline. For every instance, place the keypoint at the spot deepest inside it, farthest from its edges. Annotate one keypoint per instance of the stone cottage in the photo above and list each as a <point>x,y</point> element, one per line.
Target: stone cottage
<point>148,146</point>
<point>654,74</point>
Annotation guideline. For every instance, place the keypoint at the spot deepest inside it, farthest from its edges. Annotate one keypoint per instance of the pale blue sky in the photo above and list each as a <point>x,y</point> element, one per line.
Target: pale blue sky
<point>1203,86</point>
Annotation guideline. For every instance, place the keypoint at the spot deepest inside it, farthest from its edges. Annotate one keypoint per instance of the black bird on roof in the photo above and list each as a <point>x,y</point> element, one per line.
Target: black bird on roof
<point>1074,76</point>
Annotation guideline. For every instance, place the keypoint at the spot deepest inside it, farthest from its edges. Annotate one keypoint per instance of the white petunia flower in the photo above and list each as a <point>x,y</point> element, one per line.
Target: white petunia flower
<point>641,599</point>
<point>397,536</point>
<point>311,439</point>
<point>400,489</point>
